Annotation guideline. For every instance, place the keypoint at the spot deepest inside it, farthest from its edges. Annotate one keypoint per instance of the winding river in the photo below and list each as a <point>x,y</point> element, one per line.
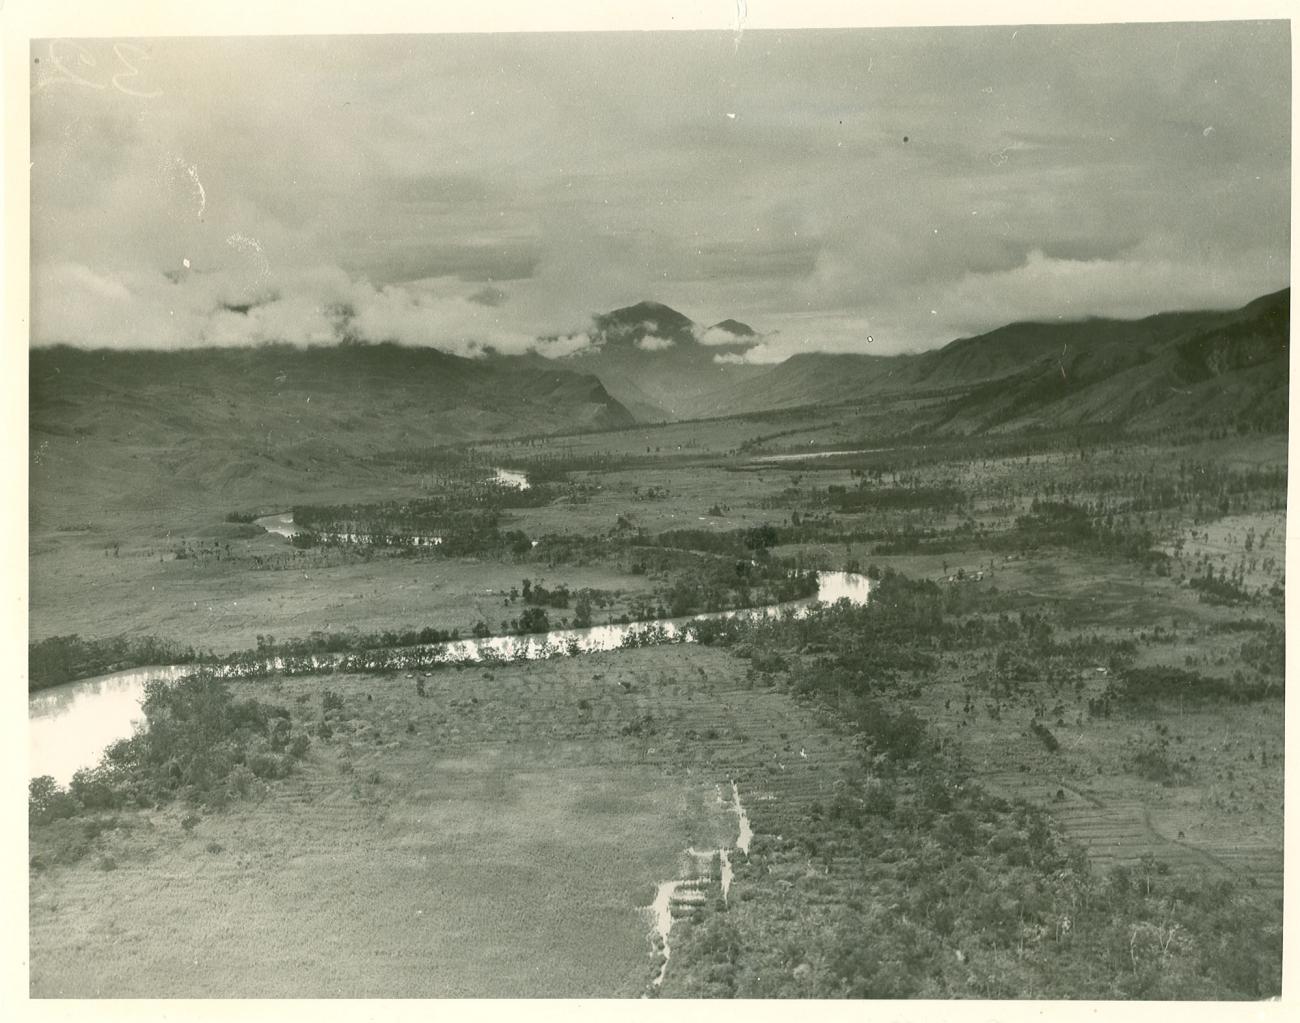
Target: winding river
<point>70,726</point>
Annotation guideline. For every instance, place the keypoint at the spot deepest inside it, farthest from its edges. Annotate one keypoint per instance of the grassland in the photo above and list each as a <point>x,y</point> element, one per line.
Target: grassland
<point>504,833</point>
<point>78,586</point>
<point>501,836</point>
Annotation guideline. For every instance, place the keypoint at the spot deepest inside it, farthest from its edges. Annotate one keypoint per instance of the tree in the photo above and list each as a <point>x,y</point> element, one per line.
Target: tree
<point>534,619</point>
<point>46,801</point>
<point>582,613</point>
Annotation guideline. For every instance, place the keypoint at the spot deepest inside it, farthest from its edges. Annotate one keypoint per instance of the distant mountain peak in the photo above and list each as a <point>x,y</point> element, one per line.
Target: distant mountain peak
<point>652,305</point>
<point>654,327</point>
<point>645,315</point>
<point>735,328</point>
<point>647,326</point>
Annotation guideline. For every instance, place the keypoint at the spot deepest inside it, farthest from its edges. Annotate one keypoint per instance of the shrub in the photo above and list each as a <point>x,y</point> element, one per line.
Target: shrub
<point>62,841</point>
<point>241,781</point>
<point>1045,736</point>
<point>47,801</point>
<point>268,765</point>
<point>280,734</point>
<point>1153,761</point>
<point>877,799</point>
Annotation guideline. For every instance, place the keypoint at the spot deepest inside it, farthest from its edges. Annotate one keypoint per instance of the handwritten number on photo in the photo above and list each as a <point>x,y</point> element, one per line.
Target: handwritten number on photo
<point>128,55</point>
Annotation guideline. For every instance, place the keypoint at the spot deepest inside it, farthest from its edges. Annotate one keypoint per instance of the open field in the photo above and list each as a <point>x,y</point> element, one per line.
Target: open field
<point>78,587</point>
<point>509,810</point>
<point>419,605</point>
<point>507,832</point>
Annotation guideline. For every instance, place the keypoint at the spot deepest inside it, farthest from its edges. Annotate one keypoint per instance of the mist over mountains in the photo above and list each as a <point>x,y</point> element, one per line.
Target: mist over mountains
<point>660,366</point>
<point>234,418</point>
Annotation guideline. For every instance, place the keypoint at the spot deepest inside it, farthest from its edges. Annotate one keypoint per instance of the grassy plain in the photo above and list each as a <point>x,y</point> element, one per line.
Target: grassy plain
<point>78,587</point>
<point>503,835</point>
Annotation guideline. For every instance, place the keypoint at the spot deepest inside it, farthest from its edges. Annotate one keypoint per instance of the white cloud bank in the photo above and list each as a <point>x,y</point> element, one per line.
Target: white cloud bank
<point>192,308</point>
<point>719,335</point>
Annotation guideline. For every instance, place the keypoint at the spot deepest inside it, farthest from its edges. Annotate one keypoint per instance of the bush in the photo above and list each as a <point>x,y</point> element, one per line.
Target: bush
<point>534,619</point>
<point>279,735</point>
<point>268,765</point>
<point>47,801</point>
<point>1153,761</point>
<point>241,781</point>
<point>62,841</point>
<point>1045,736</point>
<point>197,735</point>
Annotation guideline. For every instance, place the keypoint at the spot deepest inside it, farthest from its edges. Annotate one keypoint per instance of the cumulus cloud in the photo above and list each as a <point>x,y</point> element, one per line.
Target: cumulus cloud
<point>720,335</point>
<point>759,355</point>
<point>565,344</point>
<point>654,343</point>
<point>137,309</point>
<point>1057,170</point>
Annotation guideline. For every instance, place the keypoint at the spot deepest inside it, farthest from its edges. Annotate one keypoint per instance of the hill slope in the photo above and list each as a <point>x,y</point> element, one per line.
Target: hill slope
<point>1229,364</point>
<point>1222,368</point>
<point>132,428</point>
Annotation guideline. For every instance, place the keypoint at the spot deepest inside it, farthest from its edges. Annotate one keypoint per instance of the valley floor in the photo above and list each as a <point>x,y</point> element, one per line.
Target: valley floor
<point>957,771</point>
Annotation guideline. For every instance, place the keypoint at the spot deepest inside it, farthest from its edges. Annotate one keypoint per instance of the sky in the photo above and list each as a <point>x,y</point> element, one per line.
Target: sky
<point>877,190</point>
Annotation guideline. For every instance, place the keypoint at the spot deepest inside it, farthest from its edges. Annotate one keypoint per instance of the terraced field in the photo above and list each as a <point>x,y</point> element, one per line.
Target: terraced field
<point>1223,813</point>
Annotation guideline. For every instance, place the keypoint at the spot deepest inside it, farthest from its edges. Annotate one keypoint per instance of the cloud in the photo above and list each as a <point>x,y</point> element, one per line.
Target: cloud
<point>489,296</point>
<point>759,355</point>
<point>653,343</point>
<point>720,335</point>
<point>1148,282</point>
<point>121,309</point>
<point>1057,170</point>
<point>568,344</point>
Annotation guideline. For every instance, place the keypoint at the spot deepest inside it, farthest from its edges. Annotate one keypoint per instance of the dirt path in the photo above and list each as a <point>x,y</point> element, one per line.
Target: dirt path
<point>684,893</point>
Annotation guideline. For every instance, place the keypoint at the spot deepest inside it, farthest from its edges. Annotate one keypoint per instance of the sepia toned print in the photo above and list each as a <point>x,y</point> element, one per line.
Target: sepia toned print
<point>765,514</point>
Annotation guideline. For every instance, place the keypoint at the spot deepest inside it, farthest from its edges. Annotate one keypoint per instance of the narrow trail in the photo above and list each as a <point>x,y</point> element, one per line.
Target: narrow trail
<point>684,894</point>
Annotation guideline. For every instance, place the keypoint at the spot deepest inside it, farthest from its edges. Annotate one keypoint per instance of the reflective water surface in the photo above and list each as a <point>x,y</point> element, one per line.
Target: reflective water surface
<point>70,726</point>
<point>282,524</point>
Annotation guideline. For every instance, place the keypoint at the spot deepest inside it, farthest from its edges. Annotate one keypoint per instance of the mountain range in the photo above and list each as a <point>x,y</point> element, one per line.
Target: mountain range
<point>1231,365</point>
<point>243,421</point>
<point>240,422</point>
<point>658,363</point>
